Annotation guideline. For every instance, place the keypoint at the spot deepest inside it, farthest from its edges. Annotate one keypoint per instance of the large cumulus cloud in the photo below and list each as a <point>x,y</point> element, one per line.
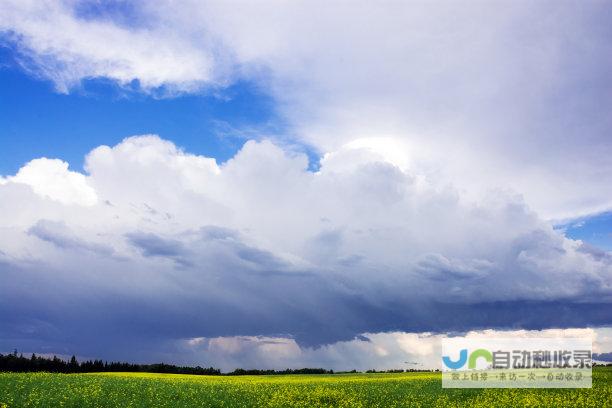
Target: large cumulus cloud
<point>153,245</point>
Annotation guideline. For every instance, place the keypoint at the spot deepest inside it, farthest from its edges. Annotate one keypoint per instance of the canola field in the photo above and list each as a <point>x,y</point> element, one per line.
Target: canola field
<point>344,390</point>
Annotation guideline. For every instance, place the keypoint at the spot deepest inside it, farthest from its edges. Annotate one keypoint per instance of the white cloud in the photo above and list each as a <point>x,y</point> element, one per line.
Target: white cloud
<point>51,178</point>
<point>58,44</point>
<point>380,351</point>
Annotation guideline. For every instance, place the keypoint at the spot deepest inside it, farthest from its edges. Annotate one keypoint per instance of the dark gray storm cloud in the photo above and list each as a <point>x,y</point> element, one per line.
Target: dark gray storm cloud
<point>58,234</point>
<point>211,289</point>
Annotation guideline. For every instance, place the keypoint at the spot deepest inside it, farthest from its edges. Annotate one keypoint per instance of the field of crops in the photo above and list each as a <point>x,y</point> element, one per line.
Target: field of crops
<point>351,390</point>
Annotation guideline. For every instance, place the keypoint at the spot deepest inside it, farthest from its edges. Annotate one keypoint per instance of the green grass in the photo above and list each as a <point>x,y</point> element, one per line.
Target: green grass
<point>350,390</point>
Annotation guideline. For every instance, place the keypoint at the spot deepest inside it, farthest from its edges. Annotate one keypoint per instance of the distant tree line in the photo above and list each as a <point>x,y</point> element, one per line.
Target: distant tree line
<point>15,362</point>
<point>18,363</point>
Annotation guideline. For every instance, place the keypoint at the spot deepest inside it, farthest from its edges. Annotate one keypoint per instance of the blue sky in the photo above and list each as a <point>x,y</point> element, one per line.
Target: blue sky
<point>381,170</point>
<point>596,230</point>
<point>37,121</point>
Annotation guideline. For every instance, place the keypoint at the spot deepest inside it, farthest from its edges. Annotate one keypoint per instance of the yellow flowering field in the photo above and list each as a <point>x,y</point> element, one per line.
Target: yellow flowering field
<point>340,390</point>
